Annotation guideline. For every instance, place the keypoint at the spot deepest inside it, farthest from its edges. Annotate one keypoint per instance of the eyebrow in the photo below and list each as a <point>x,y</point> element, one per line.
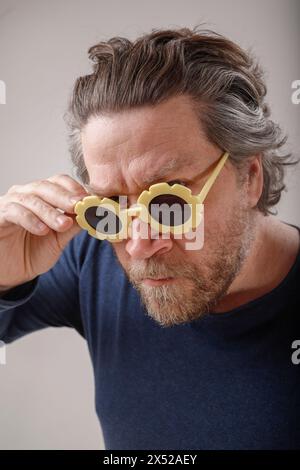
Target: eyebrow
<point>172,165</point>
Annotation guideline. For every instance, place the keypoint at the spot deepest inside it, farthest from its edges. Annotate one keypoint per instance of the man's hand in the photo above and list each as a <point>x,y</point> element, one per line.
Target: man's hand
<point>36,222</point>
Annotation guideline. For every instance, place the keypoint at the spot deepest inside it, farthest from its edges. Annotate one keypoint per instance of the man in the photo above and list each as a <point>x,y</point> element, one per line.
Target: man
<point>191,348</point>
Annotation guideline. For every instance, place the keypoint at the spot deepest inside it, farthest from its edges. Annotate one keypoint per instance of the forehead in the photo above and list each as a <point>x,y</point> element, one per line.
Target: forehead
<point>130,148</point>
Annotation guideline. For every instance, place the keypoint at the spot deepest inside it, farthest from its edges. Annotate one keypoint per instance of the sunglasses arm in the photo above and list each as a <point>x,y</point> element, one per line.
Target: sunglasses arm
<point>206,188</point>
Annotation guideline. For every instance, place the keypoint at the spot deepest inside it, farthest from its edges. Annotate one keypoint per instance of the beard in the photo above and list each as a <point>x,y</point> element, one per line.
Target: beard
<point>198,285</point>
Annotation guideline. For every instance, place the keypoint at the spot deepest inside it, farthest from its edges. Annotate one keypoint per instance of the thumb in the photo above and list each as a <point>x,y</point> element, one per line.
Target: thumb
<point>63,238</point>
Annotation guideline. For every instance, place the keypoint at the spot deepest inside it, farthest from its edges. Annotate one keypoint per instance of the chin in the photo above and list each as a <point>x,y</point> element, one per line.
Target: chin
<point>167,315</point>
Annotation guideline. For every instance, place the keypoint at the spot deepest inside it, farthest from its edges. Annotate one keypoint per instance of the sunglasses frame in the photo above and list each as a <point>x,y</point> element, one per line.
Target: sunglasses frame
<point>141,208</point>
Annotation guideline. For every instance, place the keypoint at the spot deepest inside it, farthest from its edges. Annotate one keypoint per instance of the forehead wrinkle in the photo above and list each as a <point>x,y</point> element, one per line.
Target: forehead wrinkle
<point>170,166</point>
<point>167,168</point>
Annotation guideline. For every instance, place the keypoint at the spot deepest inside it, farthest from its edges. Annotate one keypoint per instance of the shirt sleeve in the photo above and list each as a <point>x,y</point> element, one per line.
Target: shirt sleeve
<point>51,299</point>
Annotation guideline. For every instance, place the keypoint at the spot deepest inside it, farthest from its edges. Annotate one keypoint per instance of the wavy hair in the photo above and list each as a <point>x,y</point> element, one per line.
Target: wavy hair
<point>225,82</point>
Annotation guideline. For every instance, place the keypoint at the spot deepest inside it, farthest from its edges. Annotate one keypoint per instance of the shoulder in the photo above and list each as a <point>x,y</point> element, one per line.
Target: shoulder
<point>84,249</point>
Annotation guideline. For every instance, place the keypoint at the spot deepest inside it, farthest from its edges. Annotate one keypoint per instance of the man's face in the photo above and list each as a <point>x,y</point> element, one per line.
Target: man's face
<point>127,152</point>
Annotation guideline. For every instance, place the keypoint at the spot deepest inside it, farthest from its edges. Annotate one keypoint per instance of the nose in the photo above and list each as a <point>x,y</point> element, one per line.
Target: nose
<point>143,242</point>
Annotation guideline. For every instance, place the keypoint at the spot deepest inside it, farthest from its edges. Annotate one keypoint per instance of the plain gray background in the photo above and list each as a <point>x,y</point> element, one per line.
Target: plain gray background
<point>46,388</point>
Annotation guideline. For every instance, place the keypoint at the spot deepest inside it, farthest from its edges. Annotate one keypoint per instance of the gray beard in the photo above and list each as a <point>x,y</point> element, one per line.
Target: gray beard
<point>201,286</point>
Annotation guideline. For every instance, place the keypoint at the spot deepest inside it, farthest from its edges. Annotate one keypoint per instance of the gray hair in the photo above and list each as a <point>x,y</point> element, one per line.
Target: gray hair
<point>225,83</point>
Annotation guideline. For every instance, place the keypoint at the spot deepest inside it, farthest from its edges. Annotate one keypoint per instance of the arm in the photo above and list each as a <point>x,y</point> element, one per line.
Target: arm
<point>51,299</point>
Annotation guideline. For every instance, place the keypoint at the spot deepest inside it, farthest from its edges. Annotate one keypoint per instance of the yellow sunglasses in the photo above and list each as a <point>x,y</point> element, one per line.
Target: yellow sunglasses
<point>167,208</point>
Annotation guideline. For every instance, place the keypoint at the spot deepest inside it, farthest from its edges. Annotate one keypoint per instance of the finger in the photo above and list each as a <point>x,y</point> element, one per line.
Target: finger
<point>52,217</point>
<point>64,237</point>
<point>17,214</point>
<point>68,183</point>
<point>52,193</point>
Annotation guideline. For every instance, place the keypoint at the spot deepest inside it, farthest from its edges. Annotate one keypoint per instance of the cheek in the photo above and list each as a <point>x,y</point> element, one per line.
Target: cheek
<point>220,205</point>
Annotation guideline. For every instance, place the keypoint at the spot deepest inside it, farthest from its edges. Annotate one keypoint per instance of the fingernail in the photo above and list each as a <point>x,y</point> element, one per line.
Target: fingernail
<point>60,220</point>
<point>75,199</point>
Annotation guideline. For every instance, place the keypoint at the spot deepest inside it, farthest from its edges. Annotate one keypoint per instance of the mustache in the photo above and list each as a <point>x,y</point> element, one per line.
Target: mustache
<point>157,269</point>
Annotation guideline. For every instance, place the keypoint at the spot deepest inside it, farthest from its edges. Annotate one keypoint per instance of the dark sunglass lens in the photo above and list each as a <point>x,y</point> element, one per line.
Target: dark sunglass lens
<point>170,210</point>
<point>103,220</point>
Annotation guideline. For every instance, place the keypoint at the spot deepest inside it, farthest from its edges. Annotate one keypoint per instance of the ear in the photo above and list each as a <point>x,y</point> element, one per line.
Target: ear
<point>255,180</point>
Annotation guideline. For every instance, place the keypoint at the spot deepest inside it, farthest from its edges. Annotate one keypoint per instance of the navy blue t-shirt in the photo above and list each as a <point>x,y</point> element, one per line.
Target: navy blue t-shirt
<point>225,381</point>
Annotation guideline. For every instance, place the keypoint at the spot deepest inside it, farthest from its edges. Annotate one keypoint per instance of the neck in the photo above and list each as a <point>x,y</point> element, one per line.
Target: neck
<point>270,258</point>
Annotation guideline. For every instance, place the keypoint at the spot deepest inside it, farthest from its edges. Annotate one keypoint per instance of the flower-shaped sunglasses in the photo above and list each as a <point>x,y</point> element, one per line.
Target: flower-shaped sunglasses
<point>167,208</point>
